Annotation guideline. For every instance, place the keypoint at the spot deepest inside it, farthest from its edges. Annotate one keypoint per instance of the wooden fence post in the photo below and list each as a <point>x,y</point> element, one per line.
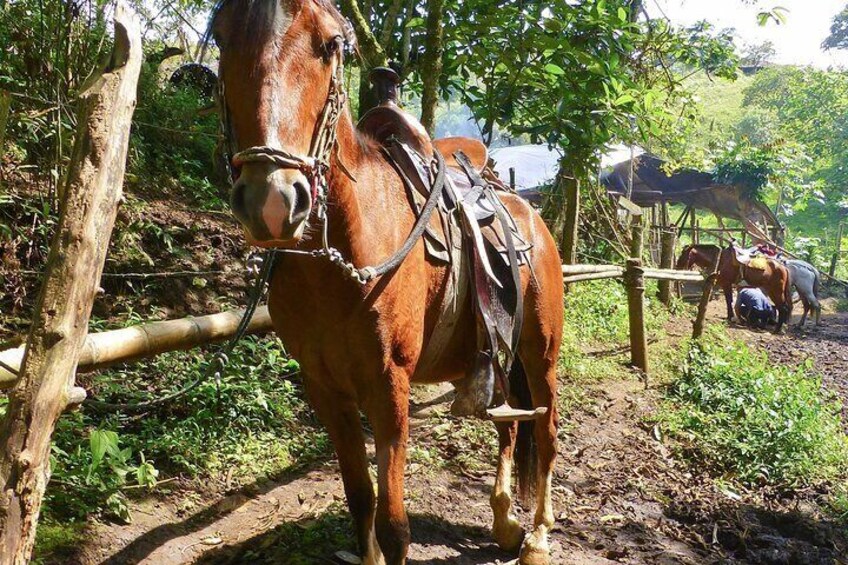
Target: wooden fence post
<point>74,267</point>
<point>709,284</point>
<point>668,238</point>
<point>835,259</point>
<point>635,282</point>
<point>696,236</point>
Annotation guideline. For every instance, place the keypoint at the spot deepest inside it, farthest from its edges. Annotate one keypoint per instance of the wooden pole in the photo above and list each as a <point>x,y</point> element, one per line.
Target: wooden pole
<point>146,340</point>
<point>835,259</point>
<point>571,189</point>
<point>635,282</point>
<point>709,284</point>
<point>512,178</point>
<point>696,236</point>
<point>668,239</point>
<point>63,309</point>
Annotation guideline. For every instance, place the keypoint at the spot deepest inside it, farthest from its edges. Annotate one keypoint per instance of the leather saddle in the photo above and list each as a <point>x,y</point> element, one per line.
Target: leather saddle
<point>472,232</point>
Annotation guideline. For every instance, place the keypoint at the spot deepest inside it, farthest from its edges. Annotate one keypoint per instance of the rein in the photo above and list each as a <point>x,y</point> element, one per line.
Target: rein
<point>315,166</point>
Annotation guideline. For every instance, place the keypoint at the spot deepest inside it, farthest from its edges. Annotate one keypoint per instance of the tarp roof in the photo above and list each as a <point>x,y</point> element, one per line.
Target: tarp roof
<point>537,165</point>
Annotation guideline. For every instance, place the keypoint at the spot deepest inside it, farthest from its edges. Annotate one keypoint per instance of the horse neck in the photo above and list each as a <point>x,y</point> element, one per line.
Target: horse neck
<point>352,219</point>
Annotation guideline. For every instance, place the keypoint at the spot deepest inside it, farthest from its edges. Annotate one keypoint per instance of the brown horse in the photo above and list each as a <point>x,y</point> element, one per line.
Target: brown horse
<point>774,279</point>
<point>360,346</point>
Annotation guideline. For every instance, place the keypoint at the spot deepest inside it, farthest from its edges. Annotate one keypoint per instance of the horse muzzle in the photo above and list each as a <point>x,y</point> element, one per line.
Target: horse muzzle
<point>272,203</point>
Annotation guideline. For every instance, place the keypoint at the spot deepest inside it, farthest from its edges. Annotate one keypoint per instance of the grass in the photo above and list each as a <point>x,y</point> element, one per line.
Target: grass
<point>754,422</point>
<point>254,422</point>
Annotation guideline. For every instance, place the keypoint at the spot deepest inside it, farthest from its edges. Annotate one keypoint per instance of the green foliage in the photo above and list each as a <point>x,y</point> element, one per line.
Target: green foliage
<point>755,421</point>
<point>575,75</point>
<point>56,542</point>
<point>255,422</point>
<point>777,166</point>
<point>596,312</point>
<point>49,50</point>
<point>838,38</point>
<point>173,147</point>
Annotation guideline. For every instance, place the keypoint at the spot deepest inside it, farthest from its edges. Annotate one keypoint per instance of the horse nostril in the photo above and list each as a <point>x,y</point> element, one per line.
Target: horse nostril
<point>237,199</point>
<point>302,201</point>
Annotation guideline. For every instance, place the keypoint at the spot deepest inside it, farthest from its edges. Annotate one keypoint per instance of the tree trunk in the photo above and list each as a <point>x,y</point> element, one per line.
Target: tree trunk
<point>431,67</point>
<point>371,52</point>
<point>63,310</point>
<point>571,196</point>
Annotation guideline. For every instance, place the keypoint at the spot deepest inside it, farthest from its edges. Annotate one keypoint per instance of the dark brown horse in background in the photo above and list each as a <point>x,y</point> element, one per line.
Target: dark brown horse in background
<point>773,280</point>
<point>361,346</point>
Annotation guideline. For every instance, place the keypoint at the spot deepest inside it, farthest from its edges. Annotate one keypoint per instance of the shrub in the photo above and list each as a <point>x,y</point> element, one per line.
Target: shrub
<point>755,421</point>
<point>254,421</point>
<point>596,312</point>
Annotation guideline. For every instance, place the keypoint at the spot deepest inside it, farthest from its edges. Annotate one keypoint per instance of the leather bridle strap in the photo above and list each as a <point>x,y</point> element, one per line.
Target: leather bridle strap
<point>315,167</point>
<point>316,163</point>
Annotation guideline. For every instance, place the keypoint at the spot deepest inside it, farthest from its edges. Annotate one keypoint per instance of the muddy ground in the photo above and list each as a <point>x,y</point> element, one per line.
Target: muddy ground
<point>620,494</point>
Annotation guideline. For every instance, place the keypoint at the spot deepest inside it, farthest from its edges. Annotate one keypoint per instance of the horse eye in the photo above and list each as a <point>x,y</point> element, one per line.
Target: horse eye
<point>332,46</point>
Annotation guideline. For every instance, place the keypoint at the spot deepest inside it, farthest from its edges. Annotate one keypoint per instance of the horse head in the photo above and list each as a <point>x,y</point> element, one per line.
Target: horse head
<point>281,95</point>
<point>685,261</point>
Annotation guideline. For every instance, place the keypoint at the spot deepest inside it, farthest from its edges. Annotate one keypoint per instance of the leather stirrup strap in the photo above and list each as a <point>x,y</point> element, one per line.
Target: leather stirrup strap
<point>512,254</point>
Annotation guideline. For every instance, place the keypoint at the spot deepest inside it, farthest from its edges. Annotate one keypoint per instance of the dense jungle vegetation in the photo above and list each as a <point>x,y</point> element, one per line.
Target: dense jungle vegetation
<point>577,76</point>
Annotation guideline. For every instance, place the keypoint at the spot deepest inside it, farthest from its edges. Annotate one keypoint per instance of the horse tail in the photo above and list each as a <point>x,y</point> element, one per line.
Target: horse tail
<point>816,284</point>
<point>787,293</point>
<point>525,443</point>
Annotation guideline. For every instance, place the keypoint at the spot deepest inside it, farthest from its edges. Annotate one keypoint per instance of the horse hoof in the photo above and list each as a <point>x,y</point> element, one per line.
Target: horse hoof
<point>508,534</point>
<point>535,549</point>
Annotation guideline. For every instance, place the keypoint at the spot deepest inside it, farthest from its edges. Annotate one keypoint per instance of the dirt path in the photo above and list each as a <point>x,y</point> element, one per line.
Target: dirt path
<point>620,497</point>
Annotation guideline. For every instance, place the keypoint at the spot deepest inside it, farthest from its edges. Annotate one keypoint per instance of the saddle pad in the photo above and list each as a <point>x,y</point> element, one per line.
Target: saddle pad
<point>760,263</point>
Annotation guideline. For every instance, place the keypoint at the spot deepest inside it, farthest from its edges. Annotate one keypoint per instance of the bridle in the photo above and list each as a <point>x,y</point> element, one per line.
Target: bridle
<point>316,165</point>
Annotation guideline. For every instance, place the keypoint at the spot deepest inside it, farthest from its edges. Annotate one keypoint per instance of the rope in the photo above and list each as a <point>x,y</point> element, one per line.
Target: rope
<point>11,369</point>
<point>218,362</point>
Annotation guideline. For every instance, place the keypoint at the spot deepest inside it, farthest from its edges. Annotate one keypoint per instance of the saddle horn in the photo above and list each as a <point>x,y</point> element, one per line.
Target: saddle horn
<point>385,81</point>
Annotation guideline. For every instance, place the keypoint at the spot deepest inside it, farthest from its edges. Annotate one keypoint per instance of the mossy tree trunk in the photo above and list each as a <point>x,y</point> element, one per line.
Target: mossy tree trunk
<point>431,68</point>
<point>74,267</point>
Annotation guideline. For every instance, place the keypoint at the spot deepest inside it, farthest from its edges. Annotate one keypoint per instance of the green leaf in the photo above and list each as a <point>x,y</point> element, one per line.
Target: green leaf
<point>553,69</point>
<point>100,442</point>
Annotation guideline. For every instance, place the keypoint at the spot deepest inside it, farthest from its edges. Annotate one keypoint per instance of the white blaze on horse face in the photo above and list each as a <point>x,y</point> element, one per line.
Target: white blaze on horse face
<point>274,88</point>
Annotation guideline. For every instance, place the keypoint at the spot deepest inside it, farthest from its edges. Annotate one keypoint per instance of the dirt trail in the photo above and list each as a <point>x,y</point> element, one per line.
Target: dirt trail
<point>620,497</point>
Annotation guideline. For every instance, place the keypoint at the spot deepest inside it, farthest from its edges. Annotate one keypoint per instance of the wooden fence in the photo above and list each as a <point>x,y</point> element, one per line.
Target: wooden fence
<point>634,275</point>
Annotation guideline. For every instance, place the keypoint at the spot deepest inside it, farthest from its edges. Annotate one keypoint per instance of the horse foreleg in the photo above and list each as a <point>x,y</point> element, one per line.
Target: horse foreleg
<point>506,530</point>
<point>341,418</point>
<point>388,411</point>
<point>728,299</point>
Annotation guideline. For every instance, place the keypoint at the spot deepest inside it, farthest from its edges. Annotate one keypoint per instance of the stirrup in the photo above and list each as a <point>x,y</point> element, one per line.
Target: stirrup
<point>506,413</point>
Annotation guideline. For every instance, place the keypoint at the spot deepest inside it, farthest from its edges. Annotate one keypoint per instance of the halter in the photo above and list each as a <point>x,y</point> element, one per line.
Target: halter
<point>315,166</point>
<point>316,163</point>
